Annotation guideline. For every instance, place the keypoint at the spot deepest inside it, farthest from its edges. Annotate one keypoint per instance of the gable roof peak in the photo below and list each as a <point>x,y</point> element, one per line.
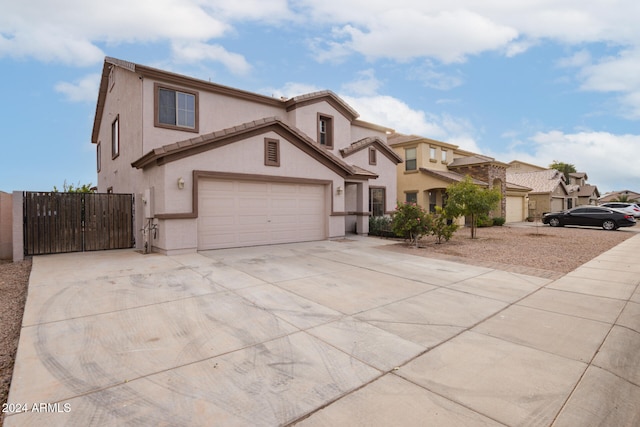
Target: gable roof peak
<point>323,95</point>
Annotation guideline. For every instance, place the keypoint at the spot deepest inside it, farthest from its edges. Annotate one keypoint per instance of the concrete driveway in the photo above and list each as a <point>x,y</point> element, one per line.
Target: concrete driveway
<point>325,333</point>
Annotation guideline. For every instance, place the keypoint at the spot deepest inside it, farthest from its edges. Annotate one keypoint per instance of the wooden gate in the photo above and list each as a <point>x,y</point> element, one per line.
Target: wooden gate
<point>76,222</point>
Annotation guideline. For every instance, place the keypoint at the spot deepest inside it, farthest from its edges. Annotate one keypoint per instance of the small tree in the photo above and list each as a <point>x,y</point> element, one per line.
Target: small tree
<point>565,168</point>
<point>442,225</point>
<point>70,188</point>
<point>467,199</point>
<point>411,222</point>
<point>621,198</point>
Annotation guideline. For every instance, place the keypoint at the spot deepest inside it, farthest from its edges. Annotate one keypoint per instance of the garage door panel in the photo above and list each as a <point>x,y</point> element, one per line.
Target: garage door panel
<point>247,213</point>
<point>252,187</point>
<point>260,204</point>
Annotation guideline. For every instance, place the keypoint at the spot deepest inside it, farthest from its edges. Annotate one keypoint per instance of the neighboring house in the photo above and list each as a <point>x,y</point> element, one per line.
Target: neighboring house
<point>517,166</point>
<point>581,192</point>
<point>630,196</point>
<point>430,166</point>
<point>217,167</point>
<point>548,190</point>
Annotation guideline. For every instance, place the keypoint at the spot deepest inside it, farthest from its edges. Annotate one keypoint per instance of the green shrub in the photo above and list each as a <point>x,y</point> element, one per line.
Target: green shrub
<point>484,221</point>
<point>442,226</point>
<point>498,221</point>
<point>411,222</point>
<point>380,226</point>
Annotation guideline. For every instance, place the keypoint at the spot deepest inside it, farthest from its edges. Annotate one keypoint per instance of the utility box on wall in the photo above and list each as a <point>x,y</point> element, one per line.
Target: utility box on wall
<point>147,201</point>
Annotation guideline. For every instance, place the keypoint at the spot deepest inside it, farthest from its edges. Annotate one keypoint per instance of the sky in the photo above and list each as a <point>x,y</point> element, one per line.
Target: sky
<point>530,80</point>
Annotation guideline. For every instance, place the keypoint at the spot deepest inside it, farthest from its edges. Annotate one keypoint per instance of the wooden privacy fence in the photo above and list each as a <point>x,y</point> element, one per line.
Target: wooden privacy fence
<point>76,222</point>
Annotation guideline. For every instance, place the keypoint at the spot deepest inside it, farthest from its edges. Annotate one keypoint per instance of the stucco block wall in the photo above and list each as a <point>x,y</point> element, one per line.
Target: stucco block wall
<point>6,226</point>
<point>125,102</point>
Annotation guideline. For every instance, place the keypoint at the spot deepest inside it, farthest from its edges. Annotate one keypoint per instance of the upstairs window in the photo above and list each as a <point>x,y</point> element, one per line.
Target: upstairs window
<point>115,138</point>
<point>99,156</point>
<point>176,109</point>
<point>325,130</point>
<point>372,156</point>
<point>444,156</point>
<point>432,154</point>
<point>410,163</point>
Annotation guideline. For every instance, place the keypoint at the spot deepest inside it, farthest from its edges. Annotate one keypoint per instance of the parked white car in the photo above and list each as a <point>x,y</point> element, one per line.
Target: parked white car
<point>630,208</point>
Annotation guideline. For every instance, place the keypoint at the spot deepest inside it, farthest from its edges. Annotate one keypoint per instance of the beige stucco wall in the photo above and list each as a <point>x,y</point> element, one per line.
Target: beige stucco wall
<point>361,132</point>
<point>215,112</point>
<point>305,118</point>
<point>6,225</point>
<point>125,100</point>
<point>242,157</point>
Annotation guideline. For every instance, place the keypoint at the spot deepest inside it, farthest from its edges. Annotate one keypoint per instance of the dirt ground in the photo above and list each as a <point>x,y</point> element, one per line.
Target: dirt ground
<point>14,278</point>
<point>558,250</point>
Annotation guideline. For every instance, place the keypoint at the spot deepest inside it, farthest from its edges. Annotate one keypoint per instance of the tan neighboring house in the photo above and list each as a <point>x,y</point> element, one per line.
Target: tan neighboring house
<point>430,166</point>
<point>217,167</point>
<point>581,192</point>
<point>548,191</point>
<point>631,196</point>
<point>517,166</point>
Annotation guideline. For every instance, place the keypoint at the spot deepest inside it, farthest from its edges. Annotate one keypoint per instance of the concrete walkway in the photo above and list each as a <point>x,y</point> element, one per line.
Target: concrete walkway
<point>326,333</point>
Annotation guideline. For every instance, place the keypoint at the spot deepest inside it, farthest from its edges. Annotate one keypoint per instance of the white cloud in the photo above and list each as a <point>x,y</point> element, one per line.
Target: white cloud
<point>578,59</point>
<point>406,34</point>
<point>394,113</point>
<point>452,30</point>
<point>290,90</point>
<point>195,52</point>
<point>365,84</point>
<point>84,90</point>
<point>608,159</point>
<point>617,74</point>
<point>431,78</point>
<point>72,31</point>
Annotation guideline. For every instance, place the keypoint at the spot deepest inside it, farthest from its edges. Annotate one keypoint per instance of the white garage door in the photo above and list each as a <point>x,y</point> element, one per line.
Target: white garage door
<point>235,213</point>
<point>515,209</point>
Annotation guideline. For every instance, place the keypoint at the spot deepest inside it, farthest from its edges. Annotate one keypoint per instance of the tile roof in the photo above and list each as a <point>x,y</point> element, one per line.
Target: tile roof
<point>368,141</point>
<point>450,176</point>
<point>588,190</point>
<point>545,181</point>
<point>212,140</point>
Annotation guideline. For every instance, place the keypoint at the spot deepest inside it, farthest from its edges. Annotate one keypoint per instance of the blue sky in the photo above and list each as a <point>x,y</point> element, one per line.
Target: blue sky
<point>532,80</point>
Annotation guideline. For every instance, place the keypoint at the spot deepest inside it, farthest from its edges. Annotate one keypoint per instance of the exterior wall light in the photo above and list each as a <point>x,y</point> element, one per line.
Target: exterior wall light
<point>339,190</point>
<point>180,183</point>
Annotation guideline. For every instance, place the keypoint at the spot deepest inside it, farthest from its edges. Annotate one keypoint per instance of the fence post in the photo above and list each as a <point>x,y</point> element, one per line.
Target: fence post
<point>18,227</point>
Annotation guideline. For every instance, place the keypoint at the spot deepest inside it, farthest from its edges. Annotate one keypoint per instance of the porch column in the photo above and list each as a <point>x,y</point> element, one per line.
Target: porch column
<point>362,208</point>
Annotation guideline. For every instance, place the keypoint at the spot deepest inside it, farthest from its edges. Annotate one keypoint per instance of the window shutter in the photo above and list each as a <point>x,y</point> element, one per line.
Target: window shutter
<point>271,152</point>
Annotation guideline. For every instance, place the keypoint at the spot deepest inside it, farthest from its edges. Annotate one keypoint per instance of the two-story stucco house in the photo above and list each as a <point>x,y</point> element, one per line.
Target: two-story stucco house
<point>217,167</point>
<point>430,166</point>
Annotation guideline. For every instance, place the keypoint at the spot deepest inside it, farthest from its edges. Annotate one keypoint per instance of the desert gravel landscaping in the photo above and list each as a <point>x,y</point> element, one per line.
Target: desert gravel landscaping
<point>536,246</point>
<point>541,248</point>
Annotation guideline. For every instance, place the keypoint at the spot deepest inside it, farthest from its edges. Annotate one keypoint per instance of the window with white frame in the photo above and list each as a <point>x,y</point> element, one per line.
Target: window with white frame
<point>444,156</point>
<point>176,108</point>
<point>432,153</point>
<point>410,159</point>
<point>325,130</point>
